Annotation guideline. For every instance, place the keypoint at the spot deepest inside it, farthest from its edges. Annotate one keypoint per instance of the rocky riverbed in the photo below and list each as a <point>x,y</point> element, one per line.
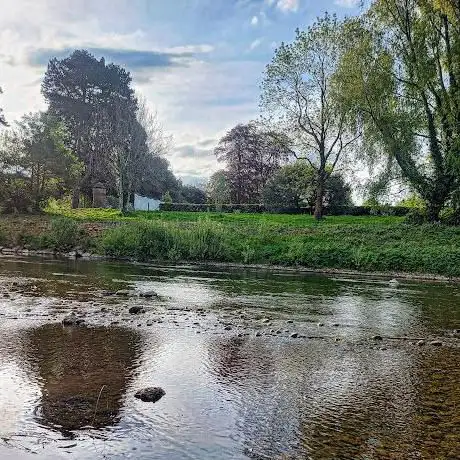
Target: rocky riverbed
<point>253,364</point>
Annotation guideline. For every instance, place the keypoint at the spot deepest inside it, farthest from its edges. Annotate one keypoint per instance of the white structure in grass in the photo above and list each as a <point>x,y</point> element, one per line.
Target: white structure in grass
<point>143,203</point>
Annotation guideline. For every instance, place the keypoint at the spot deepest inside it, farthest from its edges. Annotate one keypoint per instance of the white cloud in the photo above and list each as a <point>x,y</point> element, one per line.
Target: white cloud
<point>347,3</point>
<point>254,21</point>
<point>255,44</point>
<point>287,5</point>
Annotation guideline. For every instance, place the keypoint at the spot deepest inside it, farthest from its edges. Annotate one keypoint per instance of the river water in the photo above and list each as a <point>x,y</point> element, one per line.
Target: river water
<point>219,342</point>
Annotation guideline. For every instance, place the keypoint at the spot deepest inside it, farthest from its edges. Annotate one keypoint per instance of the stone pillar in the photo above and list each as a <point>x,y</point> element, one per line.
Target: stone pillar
<point>99,196</point>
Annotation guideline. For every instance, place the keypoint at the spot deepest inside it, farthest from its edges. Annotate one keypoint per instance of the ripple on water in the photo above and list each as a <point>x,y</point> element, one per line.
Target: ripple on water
<point>227,397</point>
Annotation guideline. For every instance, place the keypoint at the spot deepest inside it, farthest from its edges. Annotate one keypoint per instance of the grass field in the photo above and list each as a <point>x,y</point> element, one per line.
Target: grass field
<point>342,242</point>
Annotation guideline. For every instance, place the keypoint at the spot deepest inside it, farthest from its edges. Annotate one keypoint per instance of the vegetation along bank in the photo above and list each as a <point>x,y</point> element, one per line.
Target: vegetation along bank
<point>363,243</point>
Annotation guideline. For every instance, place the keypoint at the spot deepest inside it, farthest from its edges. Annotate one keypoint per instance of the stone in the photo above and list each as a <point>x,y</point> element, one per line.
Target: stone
<point>377,337</point>
<point>258,334</point>
<point>136,309</point>
<point>152,394</point>
<point>436,343</point>
<point>71,320</point>
<point>320,324</point>
<point>294,335</point>
<point>148,294</point>
<point>228,328</point>
<point>421,343</point>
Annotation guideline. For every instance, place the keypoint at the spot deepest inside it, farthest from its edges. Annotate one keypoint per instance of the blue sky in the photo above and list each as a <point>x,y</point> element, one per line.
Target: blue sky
<point>198,62</point>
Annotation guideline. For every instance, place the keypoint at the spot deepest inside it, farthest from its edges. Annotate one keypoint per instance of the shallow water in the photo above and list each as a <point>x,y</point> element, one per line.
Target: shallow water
<point>219,343</point>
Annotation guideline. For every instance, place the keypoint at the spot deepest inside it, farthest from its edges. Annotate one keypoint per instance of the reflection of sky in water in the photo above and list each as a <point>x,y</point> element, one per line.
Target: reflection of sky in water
<point>230,397</point>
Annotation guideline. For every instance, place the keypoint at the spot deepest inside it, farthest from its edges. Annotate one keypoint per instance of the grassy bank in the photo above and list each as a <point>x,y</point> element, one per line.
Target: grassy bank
<point>357,243</point>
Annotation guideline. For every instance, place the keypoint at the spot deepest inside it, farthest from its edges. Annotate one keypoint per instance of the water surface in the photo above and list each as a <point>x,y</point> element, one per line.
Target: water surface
<point>219,342</point>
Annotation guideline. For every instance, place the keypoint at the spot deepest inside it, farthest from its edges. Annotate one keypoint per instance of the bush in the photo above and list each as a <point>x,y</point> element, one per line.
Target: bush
<point>416,217</point>
<point>65,234</point>
<point>450,216</point>
<point>384,210</point>
<point>204,240</point>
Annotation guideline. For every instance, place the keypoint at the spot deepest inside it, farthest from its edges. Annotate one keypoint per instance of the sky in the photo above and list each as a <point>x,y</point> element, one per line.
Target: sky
<point>199,63</point>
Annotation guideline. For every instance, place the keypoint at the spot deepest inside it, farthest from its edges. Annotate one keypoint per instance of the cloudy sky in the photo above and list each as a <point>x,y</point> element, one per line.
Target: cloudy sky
<point>198,62</point>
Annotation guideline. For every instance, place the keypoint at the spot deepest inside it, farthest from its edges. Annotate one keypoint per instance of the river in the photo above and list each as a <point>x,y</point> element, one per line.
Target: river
<point>254,364</point>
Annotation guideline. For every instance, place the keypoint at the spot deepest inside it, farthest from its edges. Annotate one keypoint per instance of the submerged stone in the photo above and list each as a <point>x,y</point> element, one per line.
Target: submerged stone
<point>72,320</point>
<point>136,309</point>
<point>152,394</point>
<point>148,294</point>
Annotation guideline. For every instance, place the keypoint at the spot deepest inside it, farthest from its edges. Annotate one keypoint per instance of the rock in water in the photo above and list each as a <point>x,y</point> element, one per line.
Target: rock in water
<point>72,320</point>
<point>148,294</point>
<point>136,310</point>
<point>153,394</point>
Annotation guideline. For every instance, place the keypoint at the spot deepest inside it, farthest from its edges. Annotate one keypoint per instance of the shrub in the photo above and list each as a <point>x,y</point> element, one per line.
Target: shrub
<point>450,216</point>
<point>416,217</point>
<point>65,234</point>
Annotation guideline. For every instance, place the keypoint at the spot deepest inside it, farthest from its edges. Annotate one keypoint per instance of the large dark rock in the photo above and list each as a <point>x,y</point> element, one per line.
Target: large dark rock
<point>148,294</point>
<point>152,394</point>
<point>72,320</point>
<point>136,309</point>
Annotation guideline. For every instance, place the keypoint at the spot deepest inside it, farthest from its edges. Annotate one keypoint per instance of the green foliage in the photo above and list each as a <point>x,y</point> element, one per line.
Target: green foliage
<point>35,164</point>
<point>166,241</point>
<point>358,243</point>
<point>398,74</point>
<point>65,234</point>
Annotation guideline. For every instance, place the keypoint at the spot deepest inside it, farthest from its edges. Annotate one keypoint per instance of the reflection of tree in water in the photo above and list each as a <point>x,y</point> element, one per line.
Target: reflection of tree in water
<point>295,400</point>
<point>248,371</point>
<point>75,366</point>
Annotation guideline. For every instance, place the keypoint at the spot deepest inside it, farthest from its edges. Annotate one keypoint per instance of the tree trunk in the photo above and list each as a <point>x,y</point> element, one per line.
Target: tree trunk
<point>76,197</point>
<point>433,210</point>
<point>121,195</point>
<point>319,198</point>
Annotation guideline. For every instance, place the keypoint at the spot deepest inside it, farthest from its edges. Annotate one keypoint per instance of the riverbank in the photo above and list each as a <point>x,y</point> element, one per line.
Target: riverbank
<point>377,245</point>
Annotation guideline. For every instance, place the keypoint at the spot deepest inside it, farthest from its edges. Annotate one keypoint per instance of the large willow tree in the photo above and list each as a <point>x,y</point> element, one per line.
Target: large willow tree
<point>401,76</point>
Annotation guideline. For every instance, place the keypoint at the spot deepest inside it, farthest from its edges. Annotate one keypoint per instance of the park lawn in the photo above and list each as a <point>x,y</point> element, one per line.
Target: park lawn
<point>363,243</point>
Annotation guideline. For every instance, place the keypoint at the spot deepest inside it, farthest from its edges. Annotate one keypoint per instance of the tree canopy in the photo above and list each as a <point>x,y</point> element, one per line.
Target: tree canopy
<point>400,76</point>
<point>299,98</point>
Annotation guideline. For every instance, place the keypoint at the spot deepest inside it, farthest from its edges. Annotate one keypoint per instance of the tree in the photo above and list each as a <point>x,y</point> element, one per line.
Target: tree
<point>218,189</point>
<point>294,185</point>
<point>2,117</point>
<point>401,77</point>
<point>151,172</point>
<point>35,163</point>
<point>192,194</point>
<point>291,186</point>
<point>158,178</point>
<point>251,156</point>
<point>299,97</point>
<point>89,96</point>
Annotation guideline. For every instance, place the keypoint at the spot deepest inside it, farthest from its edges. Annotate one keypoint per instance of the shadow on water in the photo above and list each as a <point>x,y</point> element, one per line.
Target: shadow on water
<point>83,373</point>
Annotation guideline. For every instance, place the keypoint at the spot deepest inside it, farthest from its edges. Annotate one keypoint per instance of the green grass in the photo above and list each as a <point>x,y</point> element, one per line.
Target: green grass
<point>342,242</point>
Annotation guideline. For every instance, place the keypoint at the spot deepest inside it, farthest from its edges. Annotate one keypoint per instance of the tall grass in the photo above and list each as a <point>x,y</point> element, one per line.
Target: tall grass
<point>372,247</point>
<point>202,241</point>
